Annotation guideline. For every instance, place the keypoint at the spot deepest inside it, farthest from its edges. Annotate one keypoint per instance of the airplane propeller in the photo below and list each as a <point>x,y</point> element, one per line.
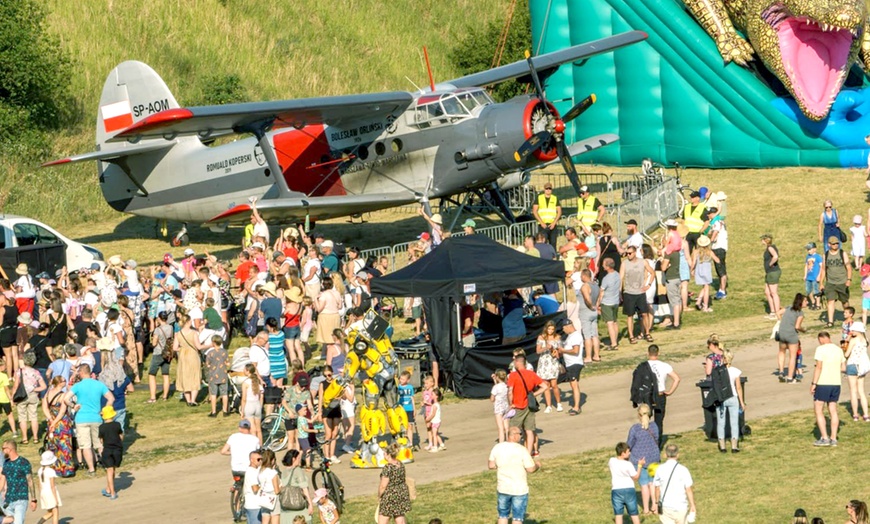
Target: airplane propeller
<point>555,129</point>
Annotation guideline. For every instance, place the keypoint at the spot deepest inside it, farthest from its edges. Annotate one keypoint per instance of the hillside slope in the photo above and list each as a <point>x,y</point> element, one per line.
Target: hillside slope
<point>274,50</point>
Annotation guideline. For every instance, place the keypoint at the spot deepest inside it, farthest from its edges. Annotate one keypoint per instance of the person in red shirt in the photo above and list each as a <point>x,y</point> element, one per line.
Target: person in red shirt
<point>520,383</point>
<point>243,272</point>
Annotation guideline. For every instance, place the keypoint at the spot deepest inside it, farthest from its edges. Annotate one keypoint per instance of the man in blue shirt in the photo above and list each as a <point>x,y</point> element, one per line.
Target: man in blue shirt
<point>17,480</point>
<point>512,324</point>
<point>546,304</point>
<point>330,261</point>
<point>88,394</point>
<point>812,268</point>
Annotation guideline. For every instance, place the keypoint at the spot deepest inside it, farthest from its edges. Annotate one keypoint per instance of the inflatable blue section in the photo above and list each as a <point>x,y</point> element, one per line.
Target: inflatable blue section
<point>672,99</point>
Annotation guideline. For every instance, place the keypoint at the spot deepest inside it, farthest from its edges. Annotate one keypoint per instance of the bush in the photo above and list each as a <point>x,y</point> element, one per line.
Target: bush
<point>475,52</point>
<point>226,89</point>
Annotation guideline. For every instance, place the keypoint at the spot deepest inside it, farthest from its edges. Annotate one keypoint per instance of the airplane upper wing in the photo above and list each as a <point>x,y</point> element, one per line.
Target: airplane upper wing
<point>208,121</point>
<point>319,208</point>
<point>547,62</point>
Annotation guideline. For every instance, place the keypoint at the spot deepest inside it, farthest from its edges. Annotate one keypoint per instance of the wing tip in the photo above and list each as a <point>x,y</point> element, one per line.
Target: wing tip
<point>58,162</point>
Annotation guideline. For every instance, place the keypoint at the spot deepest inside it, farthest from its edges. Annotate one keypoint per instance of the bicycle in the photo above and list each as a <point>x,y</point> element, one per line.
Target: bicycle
<point>274,430</point>
<point>237,496</point>
<point>323,477</point>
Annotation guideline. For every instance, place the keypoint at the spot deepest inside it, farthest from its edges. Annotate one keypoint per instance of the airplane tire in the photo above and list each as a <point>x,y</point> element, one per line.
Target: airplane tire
<point>183,240</point>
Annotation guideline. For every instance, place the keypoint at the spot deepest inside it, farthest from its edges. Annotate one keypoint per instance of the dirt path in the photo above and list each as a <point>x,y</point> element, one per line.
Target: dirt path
<point>196,490</point>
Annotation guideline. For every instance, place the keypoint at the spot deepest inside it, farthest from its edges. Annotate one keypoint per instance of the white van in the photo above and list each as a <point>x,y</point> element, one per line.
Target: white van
<point>18,231</point>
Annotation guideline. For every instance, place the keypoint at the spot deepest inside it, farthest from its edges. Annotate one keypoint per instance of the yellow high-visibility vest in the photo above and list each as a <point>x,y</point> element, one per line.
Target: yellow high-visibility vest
<point>587,212</point>
<point>693,218</point>
<point>547,210</point>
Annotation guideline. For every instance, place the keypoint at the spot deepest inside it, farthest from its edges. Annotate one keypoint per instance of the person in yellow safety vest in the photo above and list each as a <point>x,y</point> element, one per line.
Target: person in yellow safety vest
<point>547,212</point>
<point>696,217</point>
<point>589,209</point>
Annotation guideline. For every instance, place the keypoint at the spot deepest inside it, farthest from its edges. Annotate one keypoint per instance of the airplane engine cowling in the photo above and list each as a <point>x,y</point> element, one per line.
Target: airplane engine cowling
<point>481,151</point>
<point>512,180</point>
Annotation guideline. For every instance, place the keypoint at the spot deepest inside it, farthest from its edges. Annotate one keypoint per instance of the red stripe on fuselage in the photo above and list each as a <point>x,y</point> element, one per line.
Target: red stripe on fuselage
<point>300,149</point>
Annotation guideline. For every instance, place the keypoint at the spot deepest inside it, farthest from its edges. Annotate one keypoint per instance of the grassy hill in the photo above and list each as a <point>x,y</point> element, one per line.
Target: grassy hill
<point>257,50</point>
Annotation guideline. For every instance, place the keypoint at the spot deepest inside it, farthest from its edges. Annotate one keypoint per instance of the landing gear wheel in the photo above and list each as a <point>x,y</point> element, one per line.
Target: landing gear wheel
<point>180,240</point>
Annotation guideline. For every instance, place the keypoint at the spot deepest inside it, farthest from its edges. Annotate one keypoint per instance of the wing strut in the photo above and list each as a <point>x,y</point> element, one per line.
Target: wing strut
<point>259,130</point>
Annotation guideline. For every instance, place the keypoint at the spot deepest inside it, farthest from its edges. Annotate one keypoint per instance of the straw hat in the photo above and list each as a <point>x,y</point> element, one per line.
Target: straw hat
<point>21,269</point>
<point>105,344</point>
<point>436,218</point>
<point>269,288</point>
<point>682,230</point>
<point>115,260</point>
<point>703,241</point>
<point>25,318</point>
<point>48,458</point>
<point>291,232</point>
<point>294,294</point>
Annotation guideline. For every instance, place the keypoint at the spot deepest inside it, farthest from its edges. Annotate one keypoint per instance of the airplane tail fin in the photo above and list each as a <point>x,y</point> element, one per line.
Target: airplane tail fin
<point>132,92</point>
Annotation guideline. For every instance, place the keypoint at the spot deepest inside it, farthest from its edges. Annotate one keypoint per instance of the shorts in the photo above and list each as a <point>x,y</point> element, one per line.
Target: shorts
<point>865,304</point>
<point>675,298</point>
<point>417,312</point>
<point>435,427</point>
<point>589,326</point>
<point>157,363</point>
<point>772,277</point>
<point>411,419</point>
<point>304,443</point>
<point>333,413</point>
<point>609,313</point>
<point>87,435</point>
<point>572,372</point>
<point>252,410</point>
<point>27,409</point>
<point>644,479</point>
<point>721,270</point>
<point>524,419</point>
<point>827,394</point>
<point>513,507</point>
<point>622,500</point>
<point>290,424</point>
<point>292,333</point>
<point>632,304</point>
<point>111,458</point>
<point>811,287</point>
<point>6,407</point>
<point>837,292</point>
<point>851,370</point>
<point>219,390</point>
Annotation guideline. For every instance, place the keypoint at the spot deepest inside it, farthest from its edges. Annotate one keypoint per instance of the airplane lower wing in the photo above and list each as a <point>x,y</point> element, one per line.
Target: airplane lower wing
<point>112,154</point>
<point>316,208</point>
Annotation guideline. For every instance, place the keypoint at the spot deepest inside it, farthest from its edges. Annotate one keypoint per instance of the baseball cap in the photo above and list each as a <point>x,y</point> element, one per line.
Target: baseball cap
<point>188,252</point>
<point>277,254</point>
<point>244,424</point>
<point>670,223</point>
<point>469,223</point>
<point>362,275</point>
<point>632,222</point>
<point>694,194</point>
<point>548,185</point>
<point>259,245</point>
<point>584,189</point>
<point>811,245</point>
<point>565,322</point>
<point>317,234</point>
<point>327,243</point>
<point>424,235</point>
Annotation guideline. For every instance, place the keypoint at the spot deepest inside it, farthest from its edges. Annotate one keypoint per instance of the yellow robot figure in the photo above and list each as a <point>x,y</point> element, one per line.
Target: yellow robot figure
<point>374,362</point>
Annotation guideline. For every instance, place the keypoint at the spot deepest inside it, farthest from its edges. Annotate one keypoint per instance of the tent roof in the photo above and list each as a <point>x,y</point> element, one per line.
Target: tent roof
<point>468,264</point>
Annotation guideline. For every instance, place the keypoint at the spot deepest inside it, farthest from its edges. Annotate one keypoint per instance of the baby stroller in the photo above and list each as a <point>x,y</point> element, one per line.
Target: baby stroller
<point>241,358</point>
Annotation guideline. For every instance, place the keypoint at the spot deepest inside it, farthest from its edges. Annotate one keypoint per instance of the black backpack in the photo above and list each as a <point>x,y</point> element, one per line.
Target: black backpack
<point>721,383</point>
<point>644,386</point>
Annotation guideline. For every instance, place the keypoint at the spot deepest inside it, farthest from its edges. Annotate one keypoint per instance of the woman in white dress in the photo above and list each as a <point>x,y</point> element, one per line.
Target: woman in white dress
<point>548,347</point>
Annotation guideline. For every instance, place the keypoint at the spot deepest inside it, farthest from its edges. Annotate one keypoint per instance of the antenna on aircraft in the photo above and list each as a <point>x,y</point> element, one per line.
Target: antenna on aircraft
<point>429,69</point>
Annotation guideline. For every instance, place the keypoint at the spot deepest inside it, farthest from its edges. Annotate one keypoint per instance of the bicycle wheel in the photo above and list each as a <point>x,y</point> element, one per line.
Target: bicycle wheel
<point>274,432</point>
<point>327,479</point>
<point>237,503</point>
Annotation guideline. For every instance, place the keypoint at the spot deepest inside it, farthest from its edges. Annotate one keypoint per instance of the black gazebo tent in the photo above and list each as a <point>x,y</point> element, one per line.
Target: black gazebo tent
<point>458,267</point>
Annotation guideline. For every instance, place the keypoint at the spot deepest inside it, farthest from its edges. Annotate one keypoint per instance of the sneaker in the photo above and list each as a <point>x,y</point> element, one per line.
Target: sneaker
<point>720,295</point>
<point>549,409</point>
<point>558,407</point>
<point>347,448</point>
<point>822,442</point>
<point>442,447</point>
<point>334,460</point>
<point>832,442</point>
<point>433,450</point>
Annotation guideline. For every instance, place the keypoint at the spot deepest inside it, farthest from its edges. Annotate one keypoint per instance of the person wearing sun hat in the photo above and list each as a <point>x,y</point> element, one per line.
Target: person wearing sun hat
<point>112,437</point>
<point>469,226</point>
<point>859,241</point>
<point>49,498</point>
<point>328,512</point>
<point>25,291</point>
<point>434,222</point>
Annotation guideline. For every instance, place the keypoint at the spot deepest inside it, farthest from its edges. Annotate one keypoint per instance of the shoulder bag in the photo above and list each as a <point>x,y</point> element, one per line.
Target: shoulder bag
<point>20,394</point>
<point>534,407</point>
<point>661,500</point>
<point>292,498</point>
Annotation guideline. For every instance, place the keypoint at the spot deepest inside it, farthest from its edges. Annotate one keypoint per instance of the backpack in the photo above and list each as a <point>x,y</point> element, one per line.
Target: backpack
<point>644,386</point>
<point>721,384</point>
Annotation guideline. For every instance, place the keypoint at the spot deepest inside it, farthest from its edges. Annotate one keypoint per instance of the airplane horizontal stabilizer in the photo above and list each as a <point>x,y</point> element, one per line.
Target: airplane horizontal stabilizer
<point>318,208</point>
<point>546,62</point>
<point>210,121</point>
<point>112,154</point>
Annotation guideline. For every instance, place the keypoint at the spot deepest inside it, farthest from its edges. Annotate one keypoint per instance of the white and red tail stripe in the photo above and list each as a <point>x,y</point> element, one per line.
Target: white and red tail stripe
<point>117,116</point>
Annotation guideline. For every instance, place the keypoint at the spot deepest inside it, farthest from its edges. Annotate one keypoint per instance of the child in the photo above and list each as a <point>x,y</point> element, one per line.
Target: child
<point>306,324</point>
<point>434,424</point>
<point>406,400</point>
<point>859,241</point>
<point>702,261</point>
<point>112,438</point>
<point>299,519</point>
<point>5,398</point>
<point>328,512</point>
<point>216,365</point>
<point>500,404</point>
<point>212,317</point>
<point>865,288</point>
<point>848,318</point>
<point>304,429</point>
<point>622,476</point>
<point>428,400</point>
<point>49,498</point>
<point>799,364</point>
<point>812,268</point>
<point>348,416</point>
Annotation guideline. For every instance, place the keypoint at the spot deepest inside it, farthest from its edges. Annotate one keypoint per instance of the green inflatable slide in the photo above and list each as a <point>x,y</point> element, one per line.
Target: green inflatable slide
<point>671,98</point>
